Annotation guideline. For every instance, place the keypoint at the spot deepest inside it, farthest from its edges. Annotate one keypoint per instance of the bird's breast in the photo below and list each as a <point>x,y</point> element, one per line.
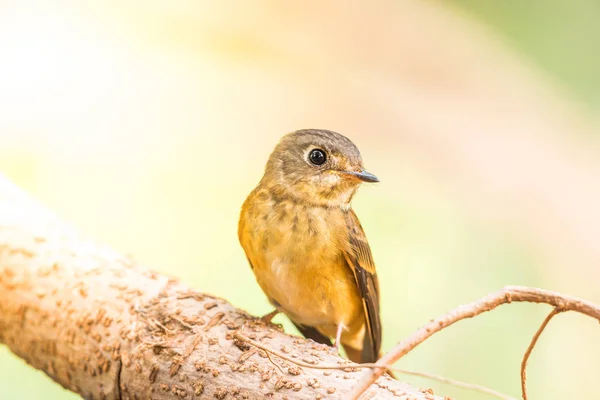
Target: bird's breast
<point>296,254</point>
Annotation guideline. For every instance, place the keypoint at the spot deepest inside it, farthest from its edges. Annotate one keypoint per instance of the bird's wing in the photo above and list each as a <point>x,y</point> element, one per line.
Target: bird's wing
<point>360,260</point>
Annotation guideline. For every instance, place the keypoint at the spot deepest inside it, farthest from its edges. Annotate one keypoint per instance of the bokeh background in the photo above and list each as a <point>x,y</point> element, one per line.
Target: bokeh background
<point>145,124</point>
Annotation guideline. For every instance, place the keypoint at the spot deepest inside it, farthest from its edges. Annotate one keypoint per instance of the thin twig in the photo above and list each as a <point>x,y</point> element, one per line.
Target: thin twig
<point>507,295</point>
<point>438,378</point>
<point>274,363</point>
<point>454,382</point>
<point>240,336</point>
<point>530,349</point>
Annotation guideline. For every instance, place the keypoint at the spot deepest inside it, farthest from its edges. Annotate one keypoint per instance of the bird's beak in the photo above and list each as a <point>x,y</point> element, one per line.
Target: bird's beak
<point>363,175</point>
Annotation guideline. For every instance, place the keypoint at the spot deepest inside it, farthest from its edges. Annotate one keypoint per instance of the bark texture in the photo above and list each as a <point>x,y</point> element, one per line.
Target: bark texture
<point>106,328</point>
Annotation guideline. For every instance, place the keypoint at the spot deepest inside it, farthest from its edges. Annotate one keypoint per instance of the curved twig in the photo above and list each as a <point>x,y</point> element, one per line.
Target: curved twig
<point>507,295</point>
<point>530,349</point>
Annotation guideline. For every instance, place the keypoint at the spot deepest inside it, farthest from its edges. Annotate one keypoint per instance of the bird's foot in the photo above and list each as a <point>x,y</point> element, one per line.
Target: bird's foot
<point>338,337</point>
<point>334,350</point>
<point>268,318</point>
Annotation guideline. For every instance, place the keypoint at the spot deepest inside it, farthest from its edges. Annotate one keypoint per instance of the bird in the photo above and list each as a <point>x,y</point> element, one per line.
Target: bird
<point>306,246</point>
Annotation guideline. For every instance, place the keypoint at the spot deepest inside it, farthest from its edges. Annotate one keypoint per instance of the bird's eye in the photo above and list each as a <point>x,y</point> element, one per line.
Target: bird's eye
<point>317,157</point>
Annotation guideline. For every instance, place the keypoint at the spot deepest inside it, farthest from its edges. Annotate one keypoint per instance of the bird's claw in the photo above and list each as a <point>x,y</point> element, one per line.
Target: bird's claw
<point>268,318</point>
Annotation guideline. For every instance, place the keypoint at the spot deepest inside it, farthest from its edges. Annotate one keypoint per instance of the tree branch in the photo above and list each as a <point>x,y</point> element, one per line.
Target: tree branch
<point>106,328</point>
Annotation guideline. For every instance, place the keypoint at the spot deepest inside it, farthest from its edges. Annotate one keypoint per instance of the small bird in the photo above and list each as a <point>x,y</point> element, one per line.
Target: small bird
<point>306,246</point>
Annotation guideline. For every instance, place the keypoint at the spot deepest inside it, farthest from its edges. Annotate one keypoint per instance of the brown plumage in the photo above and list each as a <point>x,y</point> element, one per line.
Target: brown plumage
<point>306,246</point>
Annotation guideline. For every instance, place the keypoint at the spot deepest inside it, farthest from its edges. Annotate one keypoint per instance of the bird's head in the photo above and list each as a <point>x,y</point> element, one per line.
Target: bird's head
<point>316,166</point>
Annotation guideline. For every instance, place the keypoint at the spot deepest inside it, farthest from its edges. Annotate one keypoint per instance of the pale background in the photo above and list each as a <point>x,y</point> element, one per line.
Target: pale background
<point>145,124</point>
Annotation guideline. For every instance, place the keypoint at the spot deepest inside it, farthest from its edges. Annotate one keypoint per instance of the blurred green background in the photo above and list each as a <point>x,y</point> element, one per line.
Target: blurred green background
<point>147,126</point>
